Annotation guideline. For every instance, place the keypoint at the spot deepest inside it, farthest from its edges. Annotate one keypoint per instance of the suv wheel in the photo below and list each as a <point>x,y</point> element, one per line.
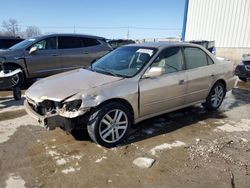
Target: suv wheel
<point>17,79</point>
<point>215,97</point>
<point>109,124</point>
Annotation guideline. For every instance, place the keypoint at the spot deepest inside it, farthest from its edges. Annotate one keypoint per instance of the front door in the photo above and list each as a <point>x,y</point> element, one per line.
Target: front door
<point>167,91</point>
<point>46,60</point>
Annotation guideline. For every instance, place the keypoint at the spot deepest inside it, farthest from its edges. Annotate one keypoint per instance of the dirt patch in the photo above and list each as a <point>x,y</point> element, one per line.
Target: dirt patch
<point>191,148</point>
<point>12,115</point>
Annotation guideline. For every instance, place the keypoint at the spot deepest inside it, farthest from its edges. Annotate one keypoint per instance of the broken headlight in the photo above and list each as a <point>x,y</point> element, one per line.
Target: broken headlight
<point>72,106</point>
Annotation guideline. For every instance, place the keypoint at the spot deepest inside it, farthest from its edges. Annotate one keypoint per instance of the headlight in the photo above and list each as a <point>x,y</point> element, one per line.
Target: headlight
<point>72,109</point>
<point>72,106</point>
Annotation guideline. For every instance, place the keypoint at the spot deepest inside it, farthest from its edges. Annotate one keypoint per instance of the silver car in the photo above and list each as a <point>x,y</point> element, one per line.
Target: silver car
<point>128,85</point>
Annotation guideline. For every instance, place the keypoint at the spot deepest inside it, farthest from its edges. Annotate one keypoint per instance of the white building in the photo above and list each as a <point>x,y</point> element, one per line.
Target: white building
<point>227,22</point>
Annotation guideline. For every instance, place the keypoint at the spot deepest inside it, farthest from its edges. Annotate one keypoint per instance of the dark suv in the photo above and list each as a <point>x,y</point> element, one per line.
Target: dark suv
<point>243,69</point>
<point>6,42</point>
<point>47,55</point>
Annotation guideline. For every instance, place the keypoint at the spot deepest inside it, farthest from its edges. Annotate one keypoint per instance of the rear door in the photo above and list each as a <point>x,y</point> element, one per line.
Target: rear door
<point>46,60</point>
<point>200,73</point>
<point>167,91</point>
<point>78,52</point>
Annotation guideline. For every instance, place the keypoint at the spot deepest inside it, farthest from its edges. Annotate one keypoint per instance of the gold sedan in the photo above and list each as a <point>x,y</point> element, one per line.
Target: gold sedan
<point>128,85</point>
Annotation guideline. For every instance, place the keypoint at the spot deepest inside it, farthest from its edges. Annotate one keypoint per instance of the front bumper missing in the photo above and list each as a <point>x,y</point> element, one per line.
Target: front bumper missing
<point>50,122</point>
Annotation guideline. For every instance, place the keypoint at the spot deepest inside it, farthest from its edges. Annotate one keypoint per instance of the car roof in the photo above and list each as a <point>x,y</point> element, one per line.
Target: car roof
<point>163,44</point>
<point>71,35</point>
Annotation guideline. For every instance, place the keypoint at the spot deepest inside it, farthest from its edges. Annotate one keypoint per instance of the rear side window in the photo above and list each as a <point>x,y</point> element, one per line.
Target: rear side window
<point>69,42</point>
<point>89,42</point>
<point>209,60</point>
<point>195,57</point>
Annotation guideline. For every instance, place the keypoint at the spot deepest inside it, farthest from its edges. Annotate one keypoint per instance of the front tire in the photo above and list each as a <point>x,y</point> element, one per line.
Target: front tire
<point>215,97</point>
<point>17,79</point>
<point>109,124</point>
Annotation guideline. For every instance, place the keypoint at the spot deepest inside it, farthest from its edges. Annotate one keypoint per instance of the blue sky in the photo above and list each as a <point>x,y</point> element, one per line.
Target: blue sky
<point>164,16</point>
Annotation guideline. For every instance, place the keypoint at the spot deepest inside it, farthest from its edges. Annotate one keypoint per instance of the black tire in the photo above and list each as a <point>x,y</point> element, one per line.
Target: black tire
<point>211,103</point>
<point>243,79</point>
<point>96,125</point>
<point>17,79</point>
<point>17,94</point>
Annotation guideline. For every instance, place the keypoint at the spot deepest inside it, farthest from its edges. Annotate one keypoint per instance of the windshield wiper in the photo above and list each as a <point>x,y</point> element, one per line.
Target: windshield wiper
<point>105,70</point>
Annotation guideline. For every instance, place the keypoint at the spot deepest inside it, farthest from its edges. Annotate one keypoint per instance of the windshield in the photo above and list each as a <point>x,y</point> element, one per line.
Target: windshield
<point>125,61</point>
<point>23,44</point>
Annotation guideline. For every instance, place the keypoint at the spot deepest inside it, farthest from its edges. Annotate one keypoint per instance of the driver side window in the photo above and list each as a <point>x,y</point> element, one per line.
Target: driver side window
<point>46,44</point>
<point>170,59</point>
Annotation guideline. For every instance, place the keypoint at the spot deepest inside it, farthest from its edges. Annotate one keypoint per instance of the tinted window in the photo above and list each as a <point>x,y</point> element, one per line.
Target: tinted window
<point>209,60</point>
<point>89,42</point>
<point>69,42</point>
<point>170,59</point>
<point>46,44</point>
<point>195,58</point>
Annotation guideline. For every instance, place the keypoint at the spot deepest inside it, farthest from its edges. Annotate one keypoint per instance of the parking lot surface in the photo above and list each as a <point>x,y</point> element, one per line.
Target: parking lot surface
<point>187,148</point>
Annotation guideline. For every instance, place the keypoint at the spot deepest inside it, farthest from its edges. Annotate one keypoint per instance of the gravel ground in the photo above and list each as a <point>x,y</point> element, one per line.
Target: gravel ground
<point>186,148</point>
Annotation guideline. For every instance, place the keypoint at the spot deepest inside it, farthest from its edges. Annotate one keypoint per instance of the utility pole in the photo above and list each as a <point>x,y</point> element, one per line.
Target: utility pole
<point>74,29</point>
<point>128,33</point>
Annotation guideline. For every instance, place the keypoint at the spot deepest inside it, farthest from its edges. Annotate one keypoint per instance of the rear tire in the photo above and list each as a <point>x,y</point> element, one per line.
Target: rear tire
<point>243,79</point>
<point>215,97</point>
<point>109,124</point>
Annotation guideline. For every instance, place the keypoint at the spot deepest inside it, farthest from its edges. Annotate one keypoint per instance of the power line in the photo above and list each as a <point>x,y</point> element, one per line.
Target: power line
<point>91,27</point>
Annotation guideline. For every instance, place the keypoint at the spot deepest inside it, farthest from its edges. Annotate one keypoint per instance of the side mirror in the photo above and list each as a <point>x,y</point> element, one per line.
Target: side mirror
<point>154,72</point>
<point>33,50</point>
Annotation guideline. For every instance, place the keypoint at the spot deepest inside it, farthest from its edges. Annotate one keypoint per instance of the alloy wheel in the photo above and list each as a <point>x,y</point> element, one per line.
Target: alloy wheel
<point>113,126</point>
<point>15,80</point>
<point>217,96</point>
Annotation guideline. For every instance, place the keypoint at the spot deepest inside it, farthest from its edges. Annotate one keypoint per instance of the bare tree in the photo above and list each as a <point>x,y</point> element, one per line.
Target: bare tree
<point>33,31</point>
<point>11,27</point>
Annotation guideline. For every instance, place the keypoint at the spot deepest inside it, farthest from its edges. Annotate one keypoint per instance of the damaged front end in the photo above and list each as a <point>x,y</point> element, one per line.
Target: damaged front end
<point>51,114</point>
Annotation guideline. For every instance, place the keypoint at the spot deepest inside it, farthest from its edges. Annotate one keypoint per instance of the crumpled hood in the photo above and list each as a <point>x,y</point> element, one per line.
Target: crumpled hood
<point>64,85</point>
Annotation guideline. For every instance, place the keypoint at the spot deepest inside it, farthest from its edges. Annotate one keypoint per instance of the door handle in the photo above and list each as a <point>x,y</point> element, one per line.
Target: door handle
<point>55,54</point>
<point>85,52</point>
<point>181,82</point>
<point>212,75</point>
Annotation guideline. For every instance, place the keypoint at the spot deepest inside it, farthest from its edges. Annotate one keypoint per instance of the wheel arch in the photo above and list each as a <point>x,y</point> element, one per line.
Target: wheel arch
<point>221,81</point>
<point>18,66</point>
<point>122,101</point>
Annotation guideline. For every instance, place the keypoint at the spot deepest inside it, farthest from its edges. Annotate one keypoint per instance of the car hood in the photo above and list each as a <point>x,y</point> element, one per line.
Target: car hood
<point>11,53</point>
<point>64,85</point>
